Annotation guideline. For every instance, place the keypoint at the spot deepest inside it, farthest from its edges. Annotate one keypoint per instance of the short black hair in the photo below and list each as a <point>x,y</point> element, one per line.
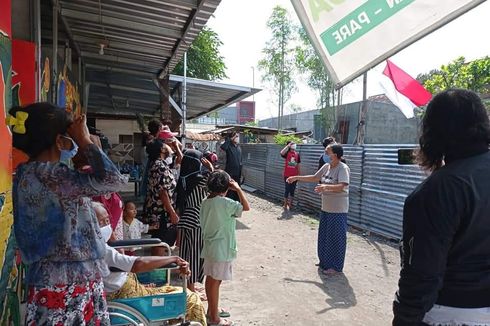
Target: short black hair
<point>126,203</point>
<point>218,181</point>
<point>44,123</point>
<point>327,141</point>
<point>154,149</point>
<point>455,119</point>
<point>338,150</point>
<point>154,126</point>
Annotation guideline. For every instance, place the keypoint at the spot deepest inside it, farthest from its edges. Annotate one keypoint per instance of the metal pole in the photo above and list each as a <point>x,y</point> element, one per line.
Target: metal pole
<point>54,77</point>
<point>361,127</point>
<point>37,39</point>
<point>184,98</point>
<point>253,82</point>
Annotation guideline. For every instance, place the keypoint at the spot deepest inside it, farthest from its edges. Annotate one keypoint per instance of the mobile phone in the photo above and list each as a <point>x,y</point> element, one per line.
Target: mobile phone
<point>406,156</point>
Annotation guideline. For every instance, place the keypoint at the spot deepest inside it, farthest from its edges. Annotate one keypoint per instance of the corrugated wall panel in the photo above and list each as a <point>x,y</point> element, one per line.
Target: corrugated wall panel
<point>378,187</point>
<point>274,180</point>
<point>354,158</point>
<point>254,178</point>
<point>385,186</point>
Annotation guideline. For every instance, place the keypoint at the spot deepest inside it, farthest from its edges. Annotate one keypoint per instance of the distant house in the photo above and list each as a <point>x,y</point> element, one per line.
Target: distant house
<point>385,124</point>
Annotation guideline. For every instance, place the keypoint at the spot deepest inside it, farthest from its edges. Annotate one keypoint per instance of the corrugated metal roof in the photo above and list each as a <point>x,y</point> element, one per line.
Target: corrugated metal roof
<point>142,39</point>
<point>123,92</point>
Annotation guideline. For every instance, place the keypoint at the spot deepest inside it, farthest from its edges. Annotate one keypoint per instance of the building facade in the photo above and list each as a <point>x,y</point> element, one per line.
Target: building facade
<point>385,124</point>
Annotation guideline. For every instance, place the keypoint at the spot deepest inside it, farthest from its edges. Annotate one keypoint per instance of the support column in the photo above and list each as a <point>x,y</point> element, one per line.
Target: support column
<point>361,126</point>
<point>54,66</point>
<point>37,40</point>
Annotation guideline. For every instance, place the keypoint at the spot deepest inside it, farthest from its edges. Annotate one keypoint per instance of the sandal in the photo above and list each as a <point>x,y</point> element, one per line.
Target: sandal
<point>223,313</point>
<point>329,271</point>
<point>222,322</point>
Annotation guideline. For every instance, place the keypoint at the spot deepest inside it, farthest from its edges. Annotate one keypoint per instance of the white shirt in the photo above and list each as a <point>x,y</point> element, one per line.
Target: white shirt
<point>134,230</point>
<point>113,258</point>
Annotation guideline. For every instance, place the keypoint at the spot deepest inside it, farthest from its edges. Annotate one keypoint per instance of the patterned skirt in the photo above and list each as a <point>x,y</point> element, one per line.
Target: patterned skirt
<point>75,304</point>
<point>332,240</point>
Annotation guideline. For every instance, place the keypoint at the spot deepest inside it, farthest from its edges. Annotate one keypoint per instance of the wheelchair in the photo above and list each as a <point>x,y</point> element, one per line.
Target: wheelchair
<point>154,309</point>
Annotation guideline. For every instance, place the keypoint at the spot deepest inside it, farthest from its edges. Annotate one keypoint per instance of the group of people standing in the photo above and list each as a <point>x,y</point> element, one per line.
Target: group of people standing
<point>66,209</point>
<point>179,182</point>
<point>445,248</point>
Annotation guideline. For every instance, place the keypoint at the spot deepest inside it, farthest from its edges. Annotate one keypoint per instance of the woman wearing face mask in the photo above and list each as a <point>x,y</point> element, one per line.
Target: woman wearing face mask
<point>324,158</point>
<point>291,168</point>
<point>54,224</point>
<point>159,204</point>
<point>333,179</point>
<point>191,191</point>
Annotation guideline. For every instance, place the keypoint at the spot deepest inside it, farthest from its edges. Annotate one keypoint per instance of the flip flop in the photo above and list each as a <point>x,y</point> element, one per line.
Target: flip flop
<point>223,313</point>
<point>222,322</point>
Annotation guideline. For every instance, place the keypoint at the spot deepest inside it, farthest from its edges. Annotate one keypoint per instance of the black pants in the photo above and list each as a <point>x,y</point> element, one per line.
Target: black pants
<point>289,188</point>
<point>233,194</point>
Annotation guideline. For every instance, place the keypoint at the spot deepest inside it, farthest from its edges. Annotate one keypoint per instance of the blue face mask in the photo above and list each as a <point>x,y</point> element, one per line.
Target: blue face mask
<point>68,154</point>
<point>326,158</point>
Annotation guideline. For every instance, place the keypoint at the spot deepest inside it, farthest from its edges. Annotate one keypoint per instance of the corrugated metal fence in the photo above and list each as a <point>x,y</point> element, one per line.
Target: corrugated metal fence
<point>378,185</point>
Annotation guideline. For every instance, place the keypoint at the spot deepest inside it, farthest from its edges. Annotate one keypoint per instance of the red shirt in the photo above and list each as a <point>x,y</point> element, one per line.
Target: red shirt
<point>291,163</point>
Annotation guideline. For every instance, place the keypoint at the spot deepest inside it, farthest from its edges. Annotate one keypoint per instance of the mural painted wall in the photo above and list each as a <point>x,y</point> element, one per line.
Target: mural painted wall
<point>23,83</point>
<point>6,219</point>
<point>67,87</point>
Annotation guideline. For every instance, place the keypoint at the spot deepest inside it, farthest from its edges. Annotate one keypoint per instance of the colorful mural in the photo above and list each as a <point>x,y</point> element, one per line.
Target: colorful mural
<point>68,95</point>
<point>23,83</point>
<point>6,219</point>
<point>67,87</point>
<point>46,81</point>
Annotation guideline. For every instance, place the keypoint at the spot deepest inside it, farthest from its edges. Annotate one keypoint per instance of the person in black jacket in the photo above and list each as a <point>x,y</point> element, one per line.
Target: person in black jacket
<point>233,160</point>
<point>445,248</point>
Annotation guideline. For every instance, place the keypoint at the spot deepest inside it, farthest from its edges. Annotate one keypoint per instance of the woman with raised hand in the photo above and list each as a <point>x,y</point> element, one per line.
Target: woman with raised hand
<point>54,224</point>
<point>333,179</point>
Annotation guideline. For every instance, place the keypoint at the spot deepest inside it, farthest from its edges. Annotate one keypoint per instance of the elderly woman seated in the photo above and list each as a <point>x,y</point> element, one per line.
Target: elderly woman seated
<point>121,285</point>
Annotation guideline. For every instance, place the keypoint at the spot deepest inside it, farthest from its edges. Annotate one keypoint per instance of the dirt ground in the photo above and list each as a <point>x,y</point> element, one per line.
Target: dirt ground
<point>276,281</point>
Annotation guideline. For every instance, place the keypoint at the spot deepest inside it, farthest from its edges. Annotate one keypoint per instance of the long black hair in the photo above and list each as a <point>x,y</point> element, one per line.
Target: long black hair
<point>455,121</point>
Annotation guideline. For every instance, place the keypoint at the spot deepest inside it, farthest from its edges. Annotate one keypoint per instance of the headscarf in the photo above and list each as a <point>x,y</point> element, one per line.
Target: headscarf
<point>190,176</point>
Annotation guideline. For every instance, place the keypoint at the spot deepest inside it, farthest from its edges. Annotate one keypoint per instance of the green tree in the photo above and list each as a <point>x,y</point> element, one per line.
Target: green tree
<point>282,139</point>
<point>474,75</point>
<point>203,57</point>
<point>309,62</point>
<point>278,60</point>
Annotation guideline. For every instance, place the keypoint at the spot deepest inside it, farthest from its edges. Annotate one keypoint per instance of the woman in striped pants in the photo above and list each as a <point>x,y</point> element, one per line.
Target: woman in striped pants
<point>191,191</point>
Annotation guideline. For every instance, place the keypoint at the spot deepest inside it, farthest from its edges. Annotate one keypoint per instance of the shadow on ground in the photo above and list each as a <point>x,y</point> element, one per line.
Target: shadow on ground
<point>337,288</point>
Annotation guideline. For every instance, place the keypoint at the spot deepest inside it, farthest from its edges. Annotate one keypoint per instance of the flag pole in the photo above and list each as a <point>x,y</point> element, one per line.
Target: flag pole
<point>361,126</point>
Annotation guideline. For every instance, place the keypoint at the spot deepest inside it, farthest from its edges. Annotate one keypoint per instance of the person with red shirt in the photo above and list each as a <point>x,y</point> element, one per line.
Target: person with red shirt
<point>291,168</point>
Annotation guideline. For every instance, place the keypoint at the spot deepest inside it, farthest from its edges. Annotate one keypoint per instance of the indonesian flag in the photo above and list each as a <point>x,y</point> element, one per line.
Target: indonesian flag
<point>402,90</point>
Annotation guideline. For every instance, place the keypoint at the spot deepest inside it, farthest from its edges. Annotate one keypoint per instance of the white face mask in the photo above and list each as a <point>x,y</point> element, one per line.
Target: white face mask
<point>293,147</point>
<point>169,160</point>
<point>106,232</point>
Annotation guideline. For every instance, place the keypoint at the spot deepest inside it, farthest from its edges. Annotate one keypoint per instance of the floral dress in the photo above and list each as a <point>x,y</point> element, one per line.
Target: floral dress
<point>160,178</point>
<point>60,241</point>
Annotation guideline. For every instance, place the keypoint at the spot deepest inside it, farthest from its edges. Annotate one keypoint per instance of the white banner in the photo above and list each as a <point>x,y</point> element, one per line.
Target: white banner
<point>353,36</point>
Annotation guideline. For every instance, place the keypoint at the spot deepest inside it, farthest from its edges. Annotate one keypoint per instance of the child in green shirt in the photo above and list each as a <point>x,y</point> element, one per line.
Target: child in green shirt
<point>218,224</point>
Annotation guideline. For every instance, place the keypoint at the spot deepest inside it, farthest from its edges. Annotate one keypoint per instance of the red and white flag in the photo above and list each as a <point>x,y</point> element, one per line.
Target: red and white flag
<point>403,91</point>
